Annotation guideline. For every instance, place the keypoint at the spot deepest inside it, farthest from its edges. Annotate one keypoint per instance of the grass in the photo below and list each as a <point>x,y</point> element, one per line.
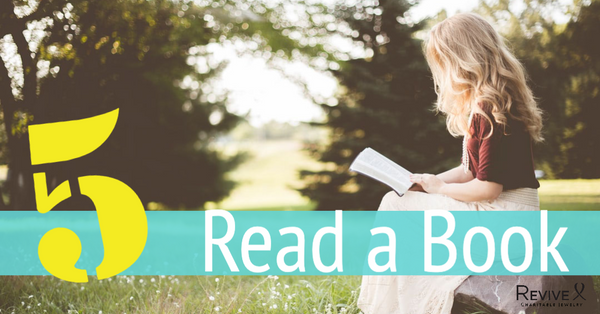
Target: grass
<point>577,194</point>
<point>268,182</point>
<point>181,294</point>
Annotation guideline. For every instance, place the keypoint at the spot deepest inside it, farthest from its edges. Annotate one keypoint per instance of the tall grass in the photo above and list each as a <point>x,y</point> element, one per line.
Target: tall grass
<point>181,294</point>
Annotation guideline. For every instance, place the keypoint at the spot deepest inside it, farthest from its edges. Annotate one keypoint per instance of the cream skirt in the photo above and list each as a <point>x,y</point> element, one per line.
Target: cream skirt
<point>429,294</point>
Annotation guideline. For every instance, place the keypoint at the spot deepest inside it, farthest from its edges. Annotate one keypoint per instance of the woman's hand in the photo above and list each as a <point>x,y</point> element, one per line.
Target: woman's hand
<point>416,188</point>
<point>429,182</point>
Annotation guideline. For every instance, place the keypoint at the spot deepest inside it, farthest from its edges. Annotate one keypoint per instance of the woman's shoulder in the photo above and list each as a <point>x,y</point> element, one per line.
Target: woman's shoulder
<point>482,121</point>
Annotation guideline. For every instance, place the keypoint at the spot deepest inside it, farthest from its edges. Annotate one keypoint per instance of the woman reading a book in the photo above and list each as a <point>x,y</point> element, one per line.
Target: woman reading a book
<point>482,90</point>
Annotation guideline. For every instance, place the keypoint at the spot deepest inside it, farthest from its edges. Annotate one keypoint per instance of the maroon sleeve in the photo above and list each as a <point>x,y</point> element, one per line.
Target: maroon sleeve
<point>489,167</point>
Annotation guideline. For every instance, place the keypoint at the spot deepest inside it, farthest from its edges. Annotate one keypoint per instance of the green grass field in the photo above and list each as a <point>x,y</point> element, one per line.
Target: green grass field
<point>570,194</point>
<point>268,182</point>
<point>181,294</point>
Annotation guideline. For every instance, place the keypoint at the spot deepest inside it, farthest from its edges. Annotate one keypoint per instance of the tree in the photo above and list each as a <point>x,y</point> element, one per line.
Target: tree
<point>139,56</point>
<point>386,104</point>
<point>581,136</point>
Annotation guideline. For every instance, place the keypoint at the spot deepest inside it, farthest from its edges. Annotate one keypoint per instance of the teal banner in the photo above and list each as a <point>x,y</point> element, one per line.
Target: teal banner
<point>325,242</point>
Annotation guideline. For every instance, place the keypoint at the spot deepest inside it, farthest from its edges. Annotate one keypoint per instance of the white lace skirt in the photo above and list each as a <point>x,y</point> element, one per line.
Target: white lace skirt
<point>429,294</point>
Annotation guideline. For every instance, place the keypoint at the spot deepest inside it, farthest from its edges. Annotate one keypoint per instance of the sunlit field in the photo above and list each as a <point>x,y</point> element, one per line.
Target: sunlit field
<point>570,194</point>
<point>267,181</point>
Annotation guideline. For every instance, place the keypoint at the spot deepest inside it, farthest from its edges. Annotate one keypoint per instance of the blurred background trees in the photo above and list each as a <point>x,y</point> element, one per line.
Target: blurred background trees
<point>159,62</point>
<point>75,59</point>
<point>386,104</point>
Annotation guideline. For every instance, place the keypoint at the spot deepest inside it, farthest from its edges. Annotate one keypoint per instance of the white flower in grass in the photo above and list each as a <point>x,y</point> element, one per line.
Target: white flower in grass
<point>216,279</point>
<point>152,280</point>
<point>82,288</point>
<point>157,291</point>
<point>217,309</point>
<point>22,303</point>
<point>29,306</point>
<point>239,310</point>
<point>99,312</point>
<point>274,306</point>
<point>141,280</point>
<point>39,304</point>
<point>264,304</point>
<point>211,298</point>
<point>130,298</point>
<point>285,286</point>
<point>289,297</point>
<point>31,296</point>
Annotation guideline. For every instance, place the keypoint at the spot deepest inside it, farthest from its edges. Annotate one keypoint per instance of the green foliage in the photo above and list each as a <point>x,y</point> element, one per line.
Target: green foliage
<point>142,57</point>
<point>386,104</point>
<point>132,55</point>
<point>564,68</point>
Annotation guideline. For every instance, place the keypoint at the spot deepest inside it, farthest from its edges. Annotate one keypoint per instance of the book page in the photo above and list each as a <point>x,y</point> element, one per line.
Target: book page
<point>371,163</point>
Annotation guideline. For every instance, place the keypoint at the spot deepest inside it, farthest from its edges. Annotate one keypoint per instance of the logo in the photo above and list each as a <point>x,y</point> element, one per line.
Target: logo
<point>551,298</point>
<point>121,215</point>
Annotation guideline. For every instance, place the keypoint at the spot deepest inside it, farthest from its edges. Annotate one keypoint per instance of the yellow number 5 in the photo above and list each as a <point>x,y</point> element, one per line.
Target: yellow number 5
<point>121,215</point>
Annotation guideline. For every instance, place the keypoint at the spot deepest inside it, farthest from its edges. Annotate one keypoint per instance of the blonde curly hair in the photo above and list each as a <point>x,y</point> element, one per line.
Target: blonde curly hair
<point>472,65</point>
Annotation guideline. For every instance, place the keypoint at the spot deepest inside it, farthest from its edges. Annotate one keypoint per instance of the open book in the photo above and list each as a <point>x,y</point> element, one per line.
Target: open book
<point>373,164</point>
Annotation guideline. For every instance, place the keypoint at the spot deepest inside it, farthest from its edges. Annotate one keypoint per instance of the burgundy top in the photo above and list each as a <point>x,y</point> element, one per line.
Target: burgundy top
<point>500,158</point>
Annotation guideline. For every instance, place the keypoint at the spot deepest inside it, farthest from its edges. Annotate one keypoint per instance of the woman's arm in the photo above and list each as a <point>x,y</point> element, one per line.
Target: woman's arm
<point>472,191</point>
<point>456,175</point>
